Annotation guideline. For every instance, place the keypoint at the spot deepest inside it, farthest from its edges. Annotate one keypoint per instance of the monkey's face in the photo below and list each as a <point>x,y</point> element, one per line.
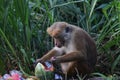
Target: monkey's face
<point>58,43</point>
<point>60,31</point>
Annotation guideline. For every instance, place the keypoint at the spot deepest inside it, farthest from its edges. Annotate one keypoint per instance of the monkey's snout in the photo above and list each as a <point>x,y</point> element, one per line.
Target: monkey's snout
<point>58,45</point>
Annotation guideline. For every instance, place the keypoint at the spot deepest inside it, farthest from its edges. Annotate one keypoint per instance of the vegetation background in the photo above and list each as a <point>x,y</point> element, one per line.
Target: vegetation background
<point>23,36</point>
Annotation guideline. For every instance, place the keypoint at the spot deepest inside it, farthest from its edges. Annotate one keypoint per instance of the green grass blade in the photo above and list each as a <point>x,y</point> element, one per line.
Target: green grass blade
<point>94,2</point>
<point>8,43</point>
<point>115,63</point>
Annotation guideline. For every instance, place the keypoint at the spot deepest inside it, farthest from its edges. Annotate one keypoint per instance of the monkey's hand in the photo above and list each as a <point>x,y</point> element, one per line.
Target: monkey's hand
<point>41,60</point>
<point>36,62</point>
<point>54,60</point>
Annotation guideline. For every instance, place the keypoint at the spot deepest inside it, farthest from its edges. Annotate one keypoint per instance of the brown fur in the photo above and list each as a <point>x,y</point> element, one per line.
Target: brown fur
<point>74,49</point>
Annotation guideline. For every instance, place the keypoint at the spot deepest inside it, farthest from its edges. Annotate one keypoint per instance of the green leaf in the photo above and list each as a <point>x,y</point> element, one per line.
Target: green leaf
<point>115,63</point>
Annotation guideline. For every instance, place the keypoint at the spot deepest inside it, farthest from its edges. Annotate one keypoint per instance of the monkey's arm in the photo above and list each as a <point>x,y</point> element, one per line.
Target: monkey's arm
<point>54,52</point>
<point>73,56</point>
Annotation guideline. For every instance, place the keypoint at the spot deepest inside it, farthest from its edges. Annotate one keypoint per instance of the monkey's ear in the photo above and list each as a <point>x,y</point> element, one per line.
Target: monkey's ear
<point>67,29</point>
<point>49,31</point>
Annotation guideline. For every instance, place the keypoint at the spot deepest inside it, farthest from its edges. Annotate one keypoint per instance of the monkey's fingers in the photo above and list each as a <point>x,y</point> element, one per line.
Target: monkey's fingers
<point>34,64</point>
<point>52,59</point>
<point>38,60</point>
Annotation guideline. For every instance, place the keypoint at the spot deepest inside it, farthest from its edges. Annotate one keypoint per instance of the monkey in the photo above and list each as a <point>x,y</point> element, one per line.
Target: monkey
<point>74,49</point>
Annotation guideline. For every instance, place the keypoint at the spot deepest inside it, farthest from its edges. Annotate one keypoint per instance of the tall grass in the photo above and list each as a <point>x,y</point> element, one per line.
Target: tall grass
<point>23,26</point>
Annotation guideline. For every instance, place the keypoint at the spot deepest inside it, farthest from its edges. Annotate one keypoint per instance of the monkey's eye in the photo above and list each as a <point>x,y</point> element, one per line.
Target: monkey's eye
<point>67,29</point>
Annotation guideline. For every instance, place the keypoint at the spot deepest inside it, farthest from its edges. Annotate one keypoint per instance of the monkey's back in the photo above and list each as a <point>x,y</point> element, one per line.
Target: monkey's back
<point>85,44</point>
